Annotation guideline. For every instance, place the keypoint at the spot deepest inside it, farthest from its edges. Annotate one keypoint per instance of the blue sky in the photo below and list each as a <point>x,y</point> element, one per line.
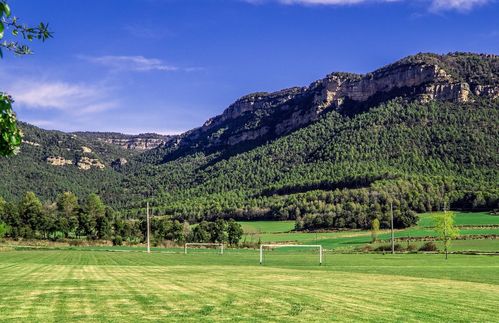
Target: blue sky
<point>168,65</point>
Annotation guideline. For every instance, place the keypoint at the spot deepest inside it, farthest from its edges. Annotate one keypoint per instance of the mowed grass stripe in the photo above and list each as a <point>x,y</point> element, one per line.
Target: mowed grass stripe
<point>63,286</point>
<point>350,297</point>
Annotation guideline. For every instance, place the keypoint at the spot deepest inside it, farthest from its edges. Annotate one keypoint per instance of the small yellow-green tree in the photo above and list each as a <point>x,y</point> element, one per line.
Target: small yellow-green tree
<point>374,230</point>
<point>444,225</point>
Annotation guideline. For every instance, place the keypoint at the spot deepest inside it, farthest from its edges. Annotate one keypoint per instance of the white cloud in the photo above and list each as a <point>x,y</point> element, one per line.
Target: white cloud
<point>75,99</point>
<point>321,2</point>
<point>328,2</point>
<point>459,5</point>
<point>131,63</point>
<point>43,123</point>
<point>434,5</point>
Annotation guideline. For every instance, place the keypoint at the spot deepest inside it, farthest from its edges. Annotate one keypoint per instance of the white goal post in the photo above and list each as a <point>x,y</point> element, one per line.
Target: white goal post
<point>221,245</point>
<point>271,246</point>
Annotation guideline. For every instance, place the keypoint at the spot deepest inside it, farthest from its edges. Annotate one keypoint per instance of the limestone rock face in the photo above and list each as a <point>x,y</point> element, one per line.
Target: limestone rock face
<point>141,142</point>
<point>135,143</point>
<point>58,161</point>
<point>86,149</point>
<point>86,163</point>
<point>247,135</point>
<point>297,120</point>
<point>338,88</point>
<point>32,143</point>
<point>486,91</point>
<point>251,103</point>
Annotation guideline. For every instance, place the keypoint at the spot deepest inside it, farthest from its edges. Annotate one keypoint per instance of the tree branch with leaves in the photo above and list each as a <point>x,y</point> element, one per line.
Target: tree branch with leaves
<point>10,30</point>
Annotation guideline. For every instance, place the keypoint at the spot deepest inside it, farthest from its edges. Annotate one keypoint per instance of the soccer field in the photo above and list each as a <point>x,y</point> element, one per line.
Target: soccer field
<point>62,285</point>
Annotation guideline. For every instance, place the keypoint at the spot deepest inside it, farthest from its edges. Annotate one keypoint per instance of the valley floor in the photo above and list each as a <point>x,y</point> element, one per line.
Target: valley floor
<point>91,286</point>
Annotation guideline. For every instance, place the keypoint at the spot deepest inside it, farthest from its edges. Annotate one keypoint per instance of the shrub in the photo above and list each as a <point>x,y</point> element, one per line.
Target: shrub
<point>76,243</point>
<point>3,229</point>
<point>411,247</point>
<point>55,238</point>
<point>388,247</point>
<point>429,246</point>
<point>117,241</point>
<point>366,248</point>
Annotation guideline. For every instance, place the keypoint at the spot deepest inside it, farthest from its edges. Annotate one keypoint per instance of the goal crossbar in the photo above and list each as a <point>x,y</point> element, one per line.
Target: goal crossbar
<point>271,246</point>
<point>221,245</point>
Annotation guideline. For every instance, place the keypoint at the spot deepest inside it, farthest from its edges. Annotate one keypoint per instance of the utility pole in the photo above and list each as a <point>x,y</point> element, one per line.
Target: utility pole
<point>445,230</point>
<point>393,238</point>
<point>148,229</point>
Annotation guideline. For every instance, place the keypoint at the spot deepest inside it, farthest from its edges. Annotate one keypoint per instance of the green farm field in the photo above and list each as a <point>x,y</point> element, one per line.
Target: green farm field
<point>471,225</point>
<point>91,286</point>
<point>464,219</point>
<point>267,226</point>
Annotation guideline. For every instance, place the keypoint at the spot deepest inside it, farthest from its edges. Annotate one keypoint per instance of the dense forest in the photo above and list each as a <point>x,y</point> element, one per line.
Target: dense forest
<point>340,171</point>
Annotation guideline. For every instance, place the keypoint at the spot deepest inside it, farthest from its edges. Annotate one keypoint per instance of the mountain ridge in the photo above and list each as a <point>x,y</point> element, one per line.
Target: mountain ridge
<point>421,77</point>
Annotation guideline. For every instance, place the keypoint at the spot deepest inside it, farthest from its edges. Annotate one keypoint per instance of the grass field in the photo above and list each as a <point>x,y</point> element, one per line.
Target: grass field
<point>267,226</point>
<point>94,286</point>
<point>464,219</point>
<point>472,224</point>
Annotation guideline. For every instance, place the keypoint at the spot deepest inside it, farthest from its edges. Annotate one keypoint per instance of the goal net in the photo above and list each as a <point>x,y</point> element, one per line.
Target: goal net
<point>264,247</point>
<point>198,245</point>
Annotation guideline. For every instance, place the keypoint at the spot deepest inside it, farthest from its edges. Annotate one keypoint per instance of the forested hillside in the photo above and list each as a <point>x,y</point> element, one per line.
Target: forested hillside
<point>343,170</point>
<point>51,162</point>
<point>415,135</point>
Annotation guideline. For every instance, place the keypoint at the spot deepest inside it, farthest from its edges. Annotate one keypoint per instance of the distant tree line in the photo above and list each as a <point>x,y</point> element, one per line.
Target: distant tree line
<point>344,208</point>
<point>70,218</point>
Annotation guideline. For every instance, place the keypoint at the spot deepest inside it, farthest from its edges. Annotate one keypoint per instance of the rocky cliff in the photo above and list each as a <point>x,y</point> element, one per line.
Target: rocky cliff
<point>139,142</point>
<point>258,117</point>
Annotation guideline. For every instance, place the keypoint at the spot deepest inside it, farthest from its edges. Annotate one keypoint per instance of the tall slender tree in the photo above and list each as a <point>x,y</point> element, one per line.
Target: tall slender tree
<point>31,212</point>
<point>444,225</point>
<point>67,207</point>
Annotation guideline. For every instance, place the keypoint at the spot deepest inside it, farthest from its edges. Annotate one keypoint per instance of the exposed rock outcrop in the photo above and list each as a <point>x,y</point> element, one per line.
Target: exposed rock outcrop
<point>86,149</point>
<point>250,103</point>
<point>135,143</point>
<point>420,81</point>
<point>139,142</point>
<point>86,163</point>
<point>58,161</point>
<point>32,143</point>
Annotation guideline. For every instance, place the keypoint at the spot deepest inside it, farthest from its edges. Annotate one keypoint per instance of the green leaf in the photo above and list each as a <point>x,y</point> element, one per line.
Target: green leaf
<point>1,30</point>
<point>6,9</point>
